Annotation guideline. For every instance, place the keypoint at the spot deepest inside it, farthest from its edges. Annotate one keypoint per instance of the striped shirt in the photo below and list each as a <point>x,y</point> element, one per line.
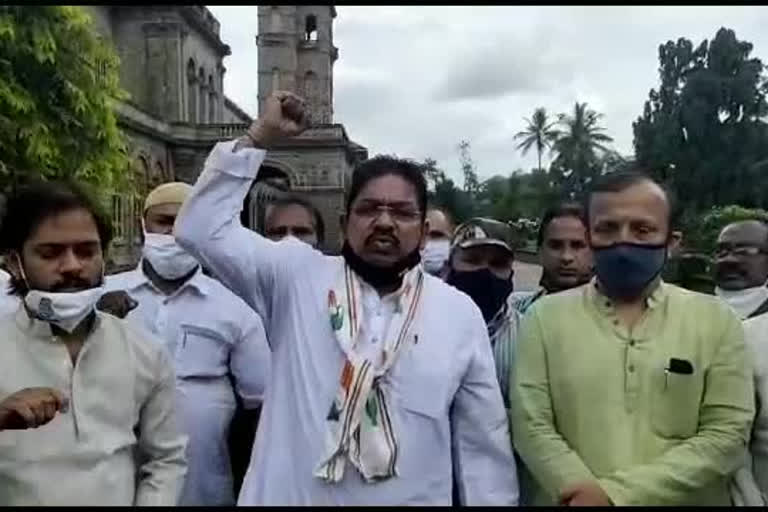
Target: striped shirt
<point>503,333</point>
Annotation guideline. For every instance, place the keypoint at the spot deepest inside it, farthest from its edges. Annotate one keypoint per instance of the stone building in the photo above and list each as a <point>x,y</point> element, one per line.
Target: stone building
<point>296,53</point>
<point>172,67</point>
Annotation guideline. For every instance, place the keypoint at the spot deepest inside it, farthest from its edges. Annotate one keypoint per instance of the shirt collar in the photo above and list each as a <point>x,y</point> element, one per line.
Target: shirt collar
<point>606,305</point>
<point>138,278</point>
<point>42,330</point>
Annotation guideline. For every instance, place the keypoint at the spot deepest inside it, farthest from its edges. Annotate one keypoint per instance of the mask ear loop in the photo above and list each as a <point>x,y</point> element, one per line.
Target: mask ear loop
<point>21,269</point>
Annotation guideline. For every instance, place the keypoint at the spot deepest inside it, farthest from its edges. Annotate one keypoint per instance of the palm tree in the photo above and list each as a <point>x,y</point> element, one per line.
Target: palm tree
<point>579,145</point>
<point>538,133</point>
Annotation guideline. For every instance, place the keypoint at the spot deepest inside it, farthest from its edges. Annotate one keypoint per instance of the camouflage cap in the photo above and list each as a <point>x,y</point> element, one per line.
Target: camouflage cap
<point>483,231</point>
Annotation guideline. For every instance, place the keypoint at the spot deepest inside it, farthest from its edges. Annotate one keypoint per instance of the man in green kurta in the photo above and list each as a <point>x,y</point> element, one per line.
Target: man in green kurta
<point>628,390</point>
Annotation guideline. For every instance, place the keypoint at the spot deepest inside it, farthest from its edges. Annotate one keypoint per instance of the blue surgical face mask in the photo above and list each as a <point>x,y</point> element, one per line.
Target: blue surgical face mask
<point>625,269</point>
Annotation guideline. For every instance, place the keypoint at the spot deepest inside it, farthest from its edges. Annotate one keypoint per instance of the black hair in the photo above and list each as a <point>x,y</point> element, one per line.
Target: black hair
<point>619,181</point>
<point>291,200</point>
<point>444,211</point>
<point>32,204</point>
<point>383,165</point>
<point>564,209</point>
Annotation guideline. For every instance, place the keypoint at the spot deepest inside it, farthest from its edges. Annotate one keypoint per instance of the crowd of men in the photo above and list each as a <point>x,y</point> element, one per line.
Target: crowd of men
<point>235,367</point>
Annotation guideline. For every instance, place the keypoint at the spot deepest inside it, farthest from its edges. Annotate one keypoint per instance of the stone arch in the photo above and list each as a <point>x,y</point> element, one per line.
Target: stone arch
<point>310,28</point>
<point>274,180</point>
<point>275,79</point>
<point>211,100</point>
<point>191,92</point>
<point>202,96</point>
<point>275,19</point>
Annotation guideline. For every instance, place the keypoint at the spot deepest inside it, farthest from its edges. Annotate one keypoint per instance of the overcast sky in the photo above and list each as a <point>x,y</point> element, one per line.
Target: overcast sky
<point>414,81</point>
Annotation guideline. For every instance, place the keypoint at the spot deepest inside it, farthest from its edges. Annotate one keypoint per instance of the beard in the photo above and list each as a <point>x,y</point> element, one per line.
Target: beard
<point>380,276</point>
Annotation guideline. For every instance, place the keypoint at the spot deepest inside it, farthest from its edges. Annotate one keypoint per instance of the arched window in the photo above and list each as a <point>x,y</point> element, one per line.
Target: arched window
<point>310,85</point>
<point>202,97</point>
<point>211,100</point>
<point>191,92</point>
<point>310,28</point>
<point>275,19</point>
<point>275,79</point>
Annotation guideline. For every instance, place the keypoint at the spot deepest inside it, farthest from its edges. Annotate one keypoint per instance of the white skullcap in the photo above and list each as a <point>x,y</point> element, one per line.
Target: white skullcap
<point>168,193</point>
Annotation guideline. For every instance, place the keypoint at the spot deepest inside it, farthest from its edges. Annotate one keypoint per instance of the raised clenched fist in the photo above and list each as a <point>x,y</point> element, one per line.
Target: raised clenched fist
<point>284,116</point>
<point>31,408</point>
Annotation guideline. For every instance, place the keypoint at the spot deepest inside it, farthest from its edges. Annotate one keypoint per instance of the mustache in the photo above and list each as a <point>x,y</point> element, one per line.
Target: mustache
<point>73,285</point>
<point>386,236</point>
<point>730,268</point>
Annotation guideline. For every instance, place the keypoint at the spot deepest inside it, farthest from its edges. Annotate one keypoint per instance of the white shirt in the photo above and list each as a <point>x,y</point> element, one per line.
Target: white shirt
<point>444,389</point>
<point>212,334</point>
<point>121,391</point>
<point>756,336</point>
<point>8,303</point>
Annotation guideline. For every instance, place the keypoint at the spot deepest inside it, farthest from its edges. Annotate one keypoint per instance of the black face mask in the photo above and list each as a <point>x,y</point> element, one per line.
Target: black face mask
<point>380,277</point>
<point>488,291</point>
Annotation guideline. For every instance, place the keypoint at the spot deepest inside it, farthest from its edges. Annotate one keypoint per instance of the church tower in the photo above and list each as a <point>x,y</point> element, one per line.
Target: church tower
<point>296,53</point>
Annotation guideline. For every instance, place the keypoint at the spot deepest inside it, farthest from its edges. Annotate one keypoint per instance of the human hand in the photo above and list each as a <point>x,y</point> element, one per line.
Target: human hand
<point>585,494</point>
<point>31,408</point>
<point>284,116</point>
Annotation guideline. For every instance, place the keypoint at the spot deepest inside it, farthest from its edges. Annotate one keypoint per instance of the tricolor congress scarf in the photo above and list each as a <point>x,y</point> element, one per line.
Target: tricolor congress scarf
<point>359,423</point>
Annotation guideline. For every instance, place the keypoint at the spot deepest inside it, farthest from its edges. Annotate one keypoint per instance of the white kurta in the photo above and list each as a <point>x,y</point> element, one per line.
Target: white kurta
<point>8,303</point>
<point>443,389</point>
<point>756,336</point>
<point>121,391</point>
<point>212,335</point>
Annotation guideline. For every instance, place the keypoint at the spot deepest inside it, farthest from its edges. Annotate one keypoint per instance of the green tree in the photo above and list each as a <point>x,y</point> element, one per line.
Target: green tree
<point>538,133</point>
<point>57,84</point>
<point>702,130</point>
<point>443,192</point>
<point>579,144</point>
<point>471,181</point>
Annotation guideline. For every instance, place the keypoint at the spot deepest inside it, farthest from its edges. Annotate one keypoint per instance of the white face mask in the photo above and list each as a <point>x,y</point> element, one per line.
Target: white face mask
<point>168,259</point>
<point>435,254</point>
<point>746,301</point>
<point>65,310</point>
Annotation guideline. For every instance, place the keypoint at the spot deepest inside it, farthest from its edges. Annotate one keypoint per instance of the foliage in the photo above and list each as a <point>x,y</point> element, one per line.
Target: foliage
<point>700,232</point>
<point>580,145</point>
<point>57,84</point>
<point>702,131</point>
<point>471,182</point>
<point>539,133</point>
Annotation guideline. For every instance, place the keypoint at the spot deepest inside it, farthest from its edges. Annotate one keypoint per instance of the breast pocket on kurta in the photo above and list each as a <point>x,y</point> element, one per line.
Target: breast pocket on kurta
<point>676,401</point>
<point>201,352</point>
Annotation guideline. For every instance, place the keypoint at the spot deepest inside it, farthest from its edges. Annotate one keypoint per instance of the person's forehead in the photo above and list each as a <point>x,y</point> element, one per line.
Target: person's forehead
<point>164,210</point>
<point>641,200</point>
<point>67,228</point>
<point>744,233</point>
<point>288,214</point>
<point>389,188</point>
<point>438,220</point>
<point>567,227</point>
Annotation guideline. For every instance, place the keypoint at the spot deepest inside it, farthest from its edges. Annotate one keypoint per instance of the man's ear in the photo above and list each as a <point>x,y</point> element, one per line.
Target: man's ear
<point>424,233</point>
<point>12,263</point>
<point>675,240</point>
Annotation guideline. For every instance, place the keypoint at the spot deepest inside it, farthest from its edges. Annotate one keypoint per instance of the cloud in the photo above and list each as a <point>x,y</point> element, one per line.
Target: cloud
<point>414,81</point>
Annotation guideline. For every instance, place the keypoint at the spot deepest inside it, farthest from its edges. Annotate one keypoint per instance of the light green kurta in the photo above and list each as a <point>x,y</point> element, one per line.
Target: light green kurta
<point>591,400</point>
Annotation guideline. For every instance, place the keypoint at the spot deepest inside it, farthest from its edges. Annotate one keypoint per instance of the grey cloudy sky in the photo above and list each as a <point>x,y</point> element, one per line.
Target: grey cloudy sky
<point>414,81</point>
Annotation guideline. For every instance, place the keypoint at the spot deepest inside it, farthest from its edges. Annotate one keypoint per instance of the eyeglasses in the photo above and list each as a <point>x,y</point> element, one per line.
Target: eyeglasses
<point>399,212</point>
<point>739,251</point>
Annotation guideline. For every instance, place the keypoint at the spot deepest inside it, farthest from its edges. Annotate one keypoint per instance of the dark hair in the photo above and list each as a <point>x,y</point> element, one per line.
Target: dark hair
<point>619,181</point>
<point>383,165</point>
<point>291,200</point>
<point>31,205</point>
<point>444,211</point>
<point>566,209</point>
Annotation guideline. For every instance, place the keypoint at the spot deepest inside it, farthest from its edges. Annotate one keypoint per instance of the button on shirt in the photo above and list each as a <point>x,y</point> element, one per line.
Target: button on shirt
<point>212,335</point>
<point>591,400</point>
<point>121,391</point>
<point>443,388</point>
